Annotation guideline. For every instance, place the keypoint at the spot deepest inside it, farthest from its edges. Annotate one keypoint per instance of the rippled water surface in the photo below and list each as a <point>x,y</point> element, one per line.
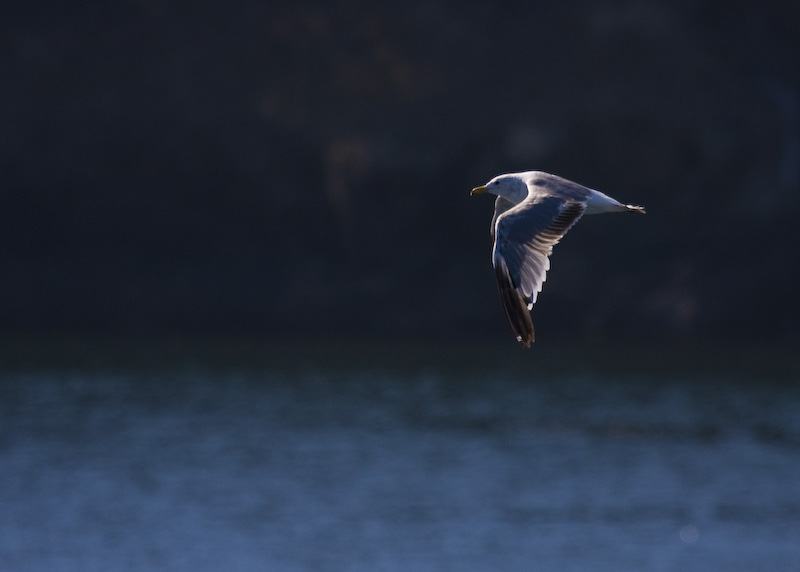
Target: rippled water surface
<point>373,469</point>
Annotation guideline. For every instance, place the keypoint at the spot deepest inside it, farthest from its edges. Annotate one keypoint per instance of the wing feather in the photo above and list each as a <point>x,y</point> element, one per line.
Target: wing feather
<point>515,307</point>
<point>524,239</point>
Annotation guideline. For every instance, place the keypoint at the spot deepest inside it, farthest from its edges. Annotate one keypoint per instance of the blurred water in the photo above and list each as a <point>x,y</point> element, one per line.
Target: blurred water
<point>377,471</point>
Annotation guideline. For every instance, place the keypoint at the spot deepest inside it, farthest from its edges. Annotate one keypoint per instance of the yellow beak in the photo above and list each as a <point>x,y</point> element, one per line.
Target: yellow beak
<point>478,191</point>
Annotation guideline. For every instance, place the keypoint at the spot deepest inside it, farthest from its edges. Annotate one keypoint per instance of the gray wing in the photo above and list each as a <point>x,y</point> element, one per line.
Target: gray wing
<point>501,205</point>
<point>547,185</point>
<point>524,239</point>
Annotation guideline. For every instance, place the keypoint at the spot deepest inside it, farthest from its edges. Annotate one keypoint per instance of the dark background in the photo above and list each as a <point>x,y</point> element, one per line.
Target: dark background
<point>302,170</point>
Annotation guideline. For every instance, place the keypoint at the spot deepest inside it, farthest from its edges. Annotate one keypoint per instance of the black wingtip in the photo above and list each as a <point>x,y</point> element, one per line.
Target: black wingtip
<point>516,308</point>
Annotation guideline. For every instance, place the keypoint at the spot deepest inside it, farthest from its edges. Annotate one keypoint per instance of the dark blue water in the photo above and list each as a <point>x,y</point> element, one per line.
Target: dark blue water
<point>205,470</point>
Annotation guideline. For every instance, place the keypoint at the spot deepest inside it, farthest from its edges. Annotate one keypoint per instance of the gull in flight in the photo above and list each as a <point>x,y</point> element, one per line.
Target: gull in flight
<point>532,212</point>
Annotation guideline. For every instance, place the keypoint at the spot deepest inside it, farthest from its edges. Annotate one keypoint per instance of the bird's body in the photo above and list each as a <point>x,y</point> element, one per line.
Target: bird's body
<point>533,211</point>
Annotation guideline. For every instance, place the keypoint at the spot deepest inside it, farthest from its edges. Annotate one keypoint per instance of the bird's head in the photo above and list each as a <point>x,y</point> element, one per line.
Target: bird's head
<point>512,187</point>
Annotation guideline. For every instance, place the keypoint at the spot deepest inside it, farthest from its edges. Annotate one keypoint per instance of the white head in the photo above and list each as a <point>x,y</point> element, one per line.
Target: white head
<point>512,186</point>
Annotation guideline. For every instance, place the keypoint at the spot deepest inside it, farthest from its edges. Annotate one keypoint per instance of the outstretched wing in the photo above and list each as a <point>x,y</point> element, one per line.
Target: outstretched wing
<point>524,239</point>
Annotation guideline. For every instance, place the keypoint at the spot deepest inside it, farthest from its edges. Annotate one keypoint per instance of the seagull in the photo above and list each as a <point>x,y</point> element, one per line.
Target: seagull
<point>532,212</point>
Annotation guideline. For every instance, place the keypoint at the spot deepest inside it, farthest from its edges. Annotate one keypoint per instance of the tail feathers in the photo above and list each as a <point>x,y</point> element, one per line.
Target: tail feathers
<point>515,306</point>
<point>634,208</point>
